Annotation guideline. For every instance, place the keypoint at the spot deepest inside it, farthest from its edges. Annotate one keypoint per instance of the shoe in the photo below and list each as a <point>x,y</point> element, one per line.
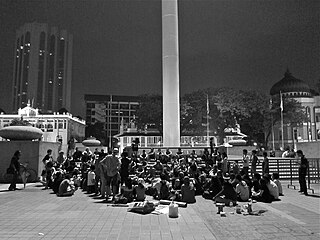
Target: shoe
<point>306,194</point>
<point>11,189</point>
<point>300,191</point>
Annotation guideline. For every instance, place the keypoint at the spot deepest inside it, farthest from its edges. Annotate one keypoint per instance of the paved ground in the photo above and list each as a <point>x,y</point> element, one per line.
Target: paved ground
<point>34,213</point>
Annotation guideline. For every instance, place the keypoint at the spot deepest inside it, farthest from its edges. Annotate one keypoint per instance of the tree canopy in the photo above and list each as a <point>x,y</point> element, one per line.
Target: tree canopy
<point>224,108</point>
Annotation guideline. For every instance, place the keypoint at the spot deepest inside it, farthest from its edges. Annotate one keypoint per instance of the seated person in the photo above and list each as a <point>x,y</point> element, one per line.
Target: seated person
<point>235,167</point>
<point>227,194</point>
<point>143,157</point>
<point>140,191</point>
<point>193,170</point>
<point>242,189</point>
<point>212,188</point>
<point>58,178</point>
<point>158,167</point>
<point>273,188</point>
<point>66,187</point>
<point>199,183</point>
<point>151,155</point>
<point>275,178</point>
<point>163,189</point>
<point>188,191</point>
<point>263,195</point>
<point>256,182</point>
<point>127,190</point>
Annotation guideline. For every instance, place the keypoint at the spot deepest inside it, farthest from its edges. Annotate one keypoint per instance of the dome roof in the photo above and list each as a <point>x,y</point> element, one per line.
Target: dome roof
<point>290,84</point>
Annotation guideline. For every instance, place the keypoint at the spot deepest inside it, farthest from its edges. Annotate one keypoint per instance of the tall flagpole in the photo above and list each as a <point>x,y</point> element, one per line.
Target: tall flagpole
<point>170,68</point>
<point>208,112</point>
<point>282,132</point>
<point>272,127</point>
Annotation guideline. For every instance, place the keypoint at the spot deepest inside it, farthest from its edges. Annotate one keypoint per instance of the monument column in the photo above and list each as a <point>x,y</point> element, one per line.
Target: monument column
<point>170,70</point>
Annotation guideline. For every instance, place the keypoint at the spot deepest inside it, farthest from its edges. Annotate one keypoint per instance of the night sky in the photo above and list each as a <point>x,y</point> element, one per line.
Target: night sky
<point>117,43</point>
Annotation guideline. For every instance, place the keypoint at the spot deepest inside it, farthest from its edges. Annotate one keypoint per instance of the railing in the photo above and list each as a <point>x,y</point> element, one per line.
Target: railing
<point>287,168</point>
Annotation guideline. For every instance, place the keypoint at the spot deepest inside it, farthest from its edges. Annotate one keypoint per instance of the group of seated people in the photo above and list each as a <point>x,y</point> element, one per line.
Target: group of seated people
<point>178,177</point>
<point>230,189</point>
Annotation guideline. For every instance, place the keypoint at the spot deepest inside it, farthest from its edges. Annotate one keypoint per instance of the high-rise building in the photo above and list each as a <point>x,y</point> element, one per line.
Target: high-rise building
<point>42,71</point>
<point>111,111</point>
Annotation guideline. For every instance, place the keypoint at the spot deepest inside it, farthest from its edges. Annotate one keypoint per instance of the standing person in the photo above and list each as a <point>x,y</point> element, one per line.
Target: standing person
<point>303,170</point>
<point>47,161</point>
<point>245,160</point>
<point>111,167</point>
<point>86,156</point>
<point>254,162</point>
<point>15,166</point>
<point>71,146</point>
<point>97,171</point>
<point>91,179</point>
<point>224,163</point>
<point>265,164</point>
<point>77,155</point>
<point>61,158</point>
<point>124,169</point>
<point>151,155</point>
<point>47,157</point>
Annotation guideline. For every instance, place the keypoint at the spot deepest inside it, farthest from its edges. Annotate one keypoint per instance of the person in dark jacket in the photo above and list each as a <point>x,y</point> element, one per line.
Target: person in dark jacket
<point>303,170</point>
<point>15,166</point>
<point>227,194</point>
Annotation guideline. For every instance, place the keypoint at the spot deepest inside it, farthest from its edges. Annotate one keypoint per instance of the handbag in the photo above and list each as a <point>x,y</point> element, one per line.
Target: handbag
<point>10,170</point>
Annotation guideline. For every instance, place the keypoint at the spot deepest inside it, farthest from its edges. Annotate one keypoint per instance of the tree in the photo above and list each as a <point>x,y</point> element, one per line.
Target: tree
<point>150,112</point>
<point>96,130</point>
<point>293,115</point>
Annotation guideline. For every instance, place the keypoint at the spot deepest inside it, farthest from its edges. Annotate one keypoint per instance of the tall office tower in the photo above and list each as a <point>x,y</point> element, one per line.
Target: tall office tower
<point>42,71</point>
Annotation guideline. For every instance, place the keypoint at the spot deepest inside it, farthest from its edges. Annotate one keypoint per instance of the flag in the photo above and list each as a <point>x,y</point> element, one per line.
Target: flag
<point>270,103</point>
<point>281,102</point>
<point>208,110</point>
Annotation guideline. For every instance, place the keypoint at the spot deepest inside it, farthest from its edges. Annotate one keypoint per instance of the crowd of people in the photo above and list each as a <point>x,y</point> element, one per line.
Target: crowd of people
<point>164,175</point>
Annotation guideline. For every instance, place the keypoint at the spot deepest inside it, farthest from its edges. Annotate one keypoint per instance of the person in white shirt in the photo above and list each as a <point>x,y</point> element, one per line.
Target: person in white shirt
<point>91,180</point>
<point>275,178</point>
<point>242,189</point>
<point>273,188</point>
<point>245,159</point>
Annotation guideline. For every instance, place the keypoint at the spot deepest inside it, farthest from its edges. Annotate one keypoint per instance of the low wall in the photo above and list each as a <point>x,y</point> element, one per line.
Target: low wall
<point>31,151</point>
<point>310,149</point>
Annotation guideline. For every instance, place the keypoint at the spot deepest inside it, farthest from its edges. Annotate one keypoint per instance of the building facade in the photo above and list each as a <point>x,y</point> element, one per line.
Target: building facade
<point>56,127</point>
<point>308,131</point>
<point>42,71</point>
<point>112,111</point>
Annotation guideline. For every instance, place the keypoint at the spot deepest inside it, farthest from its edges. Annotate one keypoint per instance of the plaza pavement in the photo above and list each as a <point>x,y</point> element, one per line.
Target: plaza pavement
<point>34,213</point>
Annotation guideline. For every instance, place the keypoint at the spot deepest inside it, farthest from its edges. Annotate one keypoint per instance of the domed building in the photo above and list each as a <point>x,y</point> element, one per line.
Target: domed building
<point>291,87</point>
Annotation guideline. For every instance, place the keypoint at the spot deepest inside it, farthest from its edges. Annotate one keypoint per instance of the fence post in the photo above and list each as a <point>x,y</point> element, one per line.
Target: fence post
<point>294,187</point>
<point>308,172</point>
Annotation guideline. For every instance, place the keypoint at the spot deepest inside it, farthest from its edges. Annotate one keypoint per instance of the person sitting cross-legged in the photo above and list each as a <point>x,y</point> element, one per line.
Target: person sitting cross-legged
<point>188,191</point>
<point>66,187</point>
<point>227,194</point>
